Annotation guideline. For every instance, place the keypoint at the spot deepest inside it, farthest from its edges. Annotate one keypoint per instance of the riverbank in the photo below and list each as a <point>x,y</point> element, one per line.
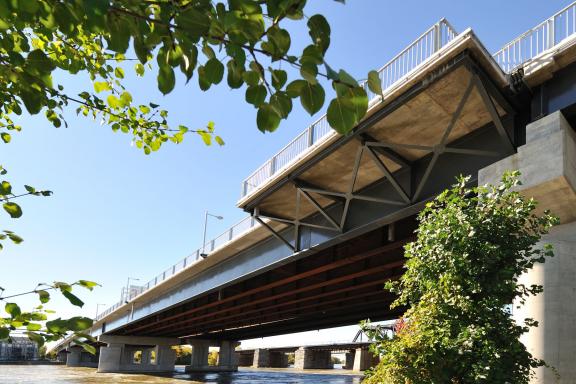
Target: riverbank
<point>32,362</point>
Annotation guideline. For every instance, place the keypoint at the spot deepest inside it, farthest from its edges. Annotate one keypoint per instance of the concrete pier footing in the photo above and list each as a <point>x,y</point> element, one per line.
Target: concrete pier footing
<point>548,165</point>
<point>227,358</point>
<point>307,358</point>
<point>136,354</point>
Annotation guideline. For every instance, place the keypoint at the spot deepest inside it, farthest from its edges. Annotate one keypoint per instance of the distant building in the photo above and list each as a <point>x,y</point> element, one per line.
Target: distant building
<point>20,348</point>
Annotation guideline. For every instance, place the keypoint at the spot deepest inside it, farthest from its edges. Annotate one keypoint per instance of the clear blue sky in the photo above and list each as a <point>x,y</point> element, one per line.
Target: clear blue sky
<point>117,213</point>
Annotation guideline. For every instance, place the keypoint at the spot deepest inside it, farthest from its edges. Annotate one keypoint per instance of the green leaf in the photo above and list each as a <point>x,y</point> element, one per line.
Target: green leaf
<point>219,140</point>
<point>87,284</point>
<point>312,97</point>
<point>282,103</point>
<point>139,68</point>
<point>319,31</point>
<point>87,347</point>
<point>166,79</point>
<point>33,327</point>
<point>309,72</point>
<point>4,333</point>
<point>294,89</point>
<point>79,324</point>
<point>279,78</point>
<point>35,337</point>
<point>44,296</point>
<point>256,95</point>
<point>341,117</point>
<point>13,209</point>
<point>214,71</point>
<point>119,72</point>
<point>100,86</point>
<point>13,310</point>
<point>251,78</point>
<point>57,326</point>
<point>195,23</point>
<point>267,118</point>
<point>15,238</point>
<point>235,79</point>
<point>374,83</point>
<point>72,298</point>
<point>5,137</point>
<point>5,188</point>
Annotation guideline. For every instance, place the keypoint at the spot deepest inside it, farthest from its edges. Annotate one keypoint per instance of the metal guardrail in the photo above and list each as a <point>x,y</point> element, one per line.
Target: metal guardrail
<point>237,230</point>
<point>537,40</point>
<point>403,63</point>
<point>519,51</point>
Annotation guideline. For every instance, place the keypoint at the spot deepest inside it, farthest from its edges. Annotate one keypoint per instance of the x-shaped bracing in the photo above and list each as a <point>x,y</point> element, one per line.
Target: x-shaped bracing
<point>373,148</point>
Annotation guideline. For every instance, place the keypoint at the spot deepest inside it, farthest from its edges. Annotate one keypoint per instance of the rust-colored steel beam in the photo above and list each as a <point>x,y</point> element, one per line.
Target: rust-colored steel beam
<point>312,272</point>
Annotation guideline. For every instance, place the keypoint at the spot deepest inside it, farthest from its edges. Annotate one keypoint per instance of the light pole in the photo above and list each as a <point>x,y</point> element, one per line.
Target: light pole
<point>206,214</point>
<point>97,308</point>
<point>127,295</point>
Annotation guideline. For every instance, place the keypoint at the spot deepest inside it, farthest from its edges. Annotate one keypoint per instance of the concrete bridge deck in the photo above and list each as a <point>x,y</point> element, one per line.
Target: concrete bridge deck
<point>328,222</point>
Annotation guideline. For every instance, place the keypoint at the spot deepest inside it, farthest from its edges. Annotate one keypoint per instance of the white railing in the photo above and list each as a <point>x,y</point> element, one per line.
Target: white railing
<point>237,230</point>
<point>519,51</point>
<point>406,61</point>
<point>537,40</point>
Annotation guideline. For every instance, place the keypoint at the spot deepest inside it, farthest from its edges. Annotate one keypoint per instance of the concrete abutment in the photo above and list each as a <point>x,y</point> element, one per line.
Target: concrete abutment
<point>548,165</point>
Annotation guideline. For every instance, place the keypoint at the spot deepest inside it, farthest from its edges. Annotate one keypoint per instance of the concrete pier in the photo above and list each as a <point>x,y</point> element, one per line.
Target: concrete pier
<point>74,356</point>
<point>307,358</point>
<point>227,358</point>
<point>548,166</point>
<point>136,354</point>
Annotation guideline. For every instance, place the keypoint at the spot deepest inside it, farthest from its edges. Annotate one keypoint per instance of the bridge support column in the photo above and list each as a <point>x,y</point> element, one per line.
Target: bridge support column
<point>548,166</point>
<point>363,360</point>
<point>227,357</point>
<point>74,357</point>
<point>261,358</point>
<point>278,359</point>
<point>307,358</point>
<point>349,360</point>
<point>136,354</point>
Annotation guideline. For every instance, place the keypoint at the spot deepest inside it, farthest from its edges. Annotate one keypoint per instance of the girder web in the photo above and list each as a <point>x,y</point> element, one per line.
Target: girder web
<point>373,148</point>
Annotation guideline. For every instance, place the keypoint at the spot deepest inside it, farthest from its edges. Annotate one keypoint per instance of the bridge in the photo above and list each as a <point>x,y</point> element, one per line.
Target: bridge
<point>329,214</point>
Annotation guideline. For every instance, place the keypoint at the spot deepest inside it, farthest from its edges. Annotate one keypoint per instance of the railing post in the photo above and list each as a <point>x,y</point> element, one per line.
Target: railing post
<point>230,233</point>
<point>244,188</point>
<point>272,165</point>
<point>310,135</point>
<point>437,37</point>
<point>551,32</point>
<point>211,245</point>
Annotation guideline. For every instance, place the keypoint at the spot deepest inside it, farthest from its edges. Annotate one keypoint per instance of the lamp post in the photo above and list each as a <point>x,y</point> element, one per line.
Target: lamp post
<point>97,308</point>
<point>127,297</point>
<point>206,214</point>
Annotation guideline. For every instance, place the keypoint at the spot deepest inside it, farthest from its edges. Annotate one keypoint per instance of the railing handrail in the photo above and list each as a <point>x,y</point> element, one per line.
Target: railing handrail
<point>531,30</point>
<point>547,27</point>
<point>154,281</point>
<point>436,28</point>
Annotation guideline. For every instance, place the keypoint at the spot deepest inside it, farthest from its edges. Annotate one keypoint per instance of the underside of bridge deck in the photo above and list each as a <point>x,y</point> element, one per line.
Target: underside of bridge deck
<point>339,285</point>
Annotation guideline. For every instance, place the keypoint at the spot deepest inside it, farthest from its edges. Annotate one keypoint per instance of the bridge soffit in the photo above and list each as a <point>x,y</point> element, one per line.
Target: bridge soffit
<point>386,157</point>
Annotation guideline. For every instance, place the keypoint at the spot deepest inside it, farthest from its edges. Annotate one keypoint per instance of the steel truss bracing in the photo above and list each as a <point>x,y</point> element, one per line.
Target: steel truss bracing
<point>375,149</point>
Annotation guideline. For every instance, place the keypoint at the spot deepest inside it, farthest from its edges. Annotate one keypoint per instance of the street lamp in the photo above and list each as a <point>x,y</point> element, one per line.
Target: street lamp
<point>206,214</point>
<point>127,297</point>
<point>97,308</point>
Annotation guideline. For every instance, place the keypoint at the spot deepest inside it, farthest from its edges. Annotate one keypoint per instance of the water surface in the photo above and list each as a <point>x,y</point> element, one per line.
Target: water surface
<point>46,374</point>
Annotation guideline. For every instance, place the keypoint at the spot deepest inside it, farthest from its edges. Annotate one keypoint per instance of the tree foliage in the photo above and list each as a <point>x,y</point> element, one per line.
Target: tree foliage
<point>461,272</point>
<point>242,42</point>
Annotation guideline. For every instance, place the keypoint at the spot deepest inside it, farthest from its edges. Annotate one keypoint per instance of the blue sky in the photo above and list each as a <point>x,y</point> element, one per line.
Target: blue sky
<point>117,213</point>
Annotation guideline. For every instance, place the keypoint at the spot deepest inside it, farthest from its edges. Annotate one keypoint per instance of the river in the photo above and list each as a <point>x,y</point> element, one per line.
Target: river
<point>57,374</point>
